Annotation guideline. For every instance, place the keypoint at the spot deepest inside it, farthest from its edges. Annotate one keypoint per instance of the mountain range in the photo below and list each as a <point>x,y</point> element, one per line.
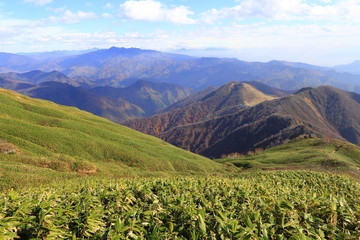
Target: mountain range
<point>240,118</point>
<point>149,96</point>
<point>118,67</point>
<point>36,77</point>
<point>116,104</point>
<point>353,67</point>
<point>216,107</point>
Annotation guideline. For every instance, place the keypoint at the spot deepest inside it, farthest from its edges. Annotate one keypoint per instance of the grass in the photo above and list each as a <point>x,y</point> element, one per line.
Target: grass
<point>304,153</point>
<point>51,141</point>
<point>271,205</point>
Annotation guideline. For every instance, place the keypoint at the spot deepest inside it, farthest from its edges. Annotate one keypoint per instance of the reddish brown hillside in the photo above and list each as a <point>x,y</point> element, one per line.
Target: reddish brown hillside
<point>213,131</point>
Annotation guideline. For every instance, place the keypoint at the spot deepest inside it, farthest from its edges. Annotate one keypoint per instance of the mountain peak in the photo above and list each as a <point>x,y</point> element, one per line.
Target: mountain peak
<point>128,51</point>
<point>304,89</point>
<point>235,93</point>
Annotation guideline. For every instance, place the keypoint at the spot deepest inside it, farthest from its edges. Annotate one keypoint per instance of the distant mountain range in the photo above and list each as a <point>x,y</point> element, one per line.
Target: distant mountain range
<point>113,109</point>
<point>118,67</point>
<point>140,99</point>
<point>350,68</point>
<point>211,106</point>
<point>36,77</point>
<point>222,117</point>
<point>53,55</point>
<point>239,117</point>
<point>149,96</point>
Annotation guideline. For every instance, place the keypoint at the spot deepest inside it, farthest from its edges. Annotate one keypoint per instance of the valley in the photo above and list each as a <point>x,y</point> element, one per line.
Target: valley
<point>125,143</point>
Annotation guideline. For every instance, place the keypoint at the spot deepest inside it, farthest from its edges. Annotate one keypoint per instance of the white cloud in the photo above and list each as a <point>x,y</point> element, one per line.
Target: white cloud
<point>57,10</point>
<point>324,45</point>
<point>329,44</point>
<point>264,9</point>
<point>332,42</point>
<point>69,17</point>
<point>287,10</point>
<point>347,10</point>
<point>150,10</point>
<point>38,2</point>
<point>108,6</point>
<point>107,15</point>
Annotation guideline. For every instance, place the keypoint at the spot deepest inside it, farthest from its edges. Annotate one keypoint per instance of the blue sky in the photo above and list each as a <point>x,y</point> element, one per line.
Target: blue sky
<point>323,32</point>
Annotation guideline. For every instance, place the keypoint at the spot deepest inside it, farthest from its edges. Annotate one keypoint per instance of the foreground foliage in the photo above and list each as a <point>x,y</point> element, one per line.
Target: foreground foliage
<point>279,205</point>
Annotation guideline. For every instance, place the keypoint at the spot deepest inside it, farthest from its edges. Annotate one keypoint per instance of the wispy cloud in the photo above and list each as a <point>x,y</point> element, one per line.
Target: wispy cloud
<point>57,10</point>
<point>107,15</point>
<point>287,10</point>
<point>108,6</point>
<point>319,31</point>
<point>38,2</point>
<point>70,17</point>
<point>150,10</point>
<point>309,43</point>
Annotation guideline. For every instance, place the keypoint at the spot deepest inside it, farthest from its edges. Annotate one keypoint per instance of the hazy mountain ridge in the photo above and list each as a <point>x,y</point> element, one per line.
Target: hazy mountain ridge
<point>122,66</point>
<point>116,104</point>
<point>14,62</point>
<point>115,110</point>
<point>13,84</point>
<point>37,76</point>
<point>322,111</point>
<point>149,96</point>
<point>53,55</point>
<point>353,67</point>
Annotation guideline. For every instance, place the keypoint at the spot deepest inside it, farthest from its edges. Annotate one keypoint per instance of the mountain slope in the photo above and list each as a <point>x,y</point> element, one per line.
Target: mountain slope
<point>37,76</point>
<point>227,99</point>
<point>324,112</point>
<point>14,62</point>
<point>116,110</point>
<point>40,138</point>
<point>13,84</point>
<point>353,67</point>
<point>303,153</point>
<point>149,96</point>
<point>116,104</point>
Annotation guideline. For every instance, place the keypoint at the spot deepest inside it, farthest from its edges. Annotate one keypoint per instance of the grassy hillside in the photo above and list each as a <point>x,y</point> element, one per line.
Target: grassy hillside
<point>42,140</point>
<point>307,153</point>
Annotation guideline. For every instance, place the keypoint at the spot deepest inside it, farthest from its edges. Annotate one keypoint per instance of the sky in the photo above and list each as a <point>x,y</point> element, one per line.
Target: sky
<point>321,32</point>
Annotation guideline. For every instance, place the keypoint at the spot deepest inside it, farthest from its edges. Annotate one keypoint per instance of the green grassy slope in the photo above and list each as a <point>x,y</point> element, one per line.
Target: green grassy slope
<point>304,153</point>
<point>45,140</point>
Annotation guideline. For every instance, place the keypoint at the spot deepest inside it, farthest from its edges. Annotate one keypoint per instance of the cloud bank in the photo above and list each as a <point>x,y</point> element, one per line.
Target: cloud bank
<point>149,10</point>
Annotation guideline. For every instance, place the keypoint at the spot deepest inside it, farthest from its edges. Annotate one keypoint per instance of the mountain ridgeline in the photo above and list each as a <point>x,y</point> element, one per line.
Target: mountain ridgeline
<point>149,96</point>
<point>119,67</point>
<point>140,99</point>
<point>231,121</point>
